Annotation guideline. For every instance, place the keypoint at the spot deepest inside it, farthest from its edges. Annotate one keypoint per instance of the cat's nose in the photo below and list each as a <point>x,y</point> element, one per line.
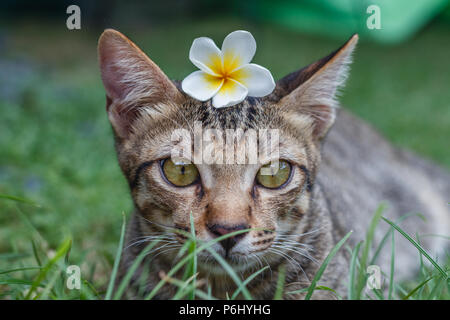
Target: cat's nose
<point>219,230</point>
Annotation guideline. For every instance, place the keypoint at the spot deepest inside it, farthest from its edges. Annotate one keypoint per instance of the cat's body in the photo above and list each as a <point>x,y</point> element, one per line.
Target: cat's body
<point>360,170</point>
<point>352,182</point>
<point>335,185</point>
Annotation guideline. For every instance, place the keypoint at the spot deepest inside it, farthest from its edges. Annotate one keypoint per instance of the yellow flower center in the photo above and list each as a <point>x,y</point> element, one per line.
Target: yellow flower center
<point>226,69</point>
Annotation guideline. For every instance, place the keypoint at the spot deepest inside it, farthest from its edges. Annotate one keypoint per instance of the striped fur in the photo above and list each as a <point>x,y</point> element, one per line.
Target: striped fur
<point>338,179</point>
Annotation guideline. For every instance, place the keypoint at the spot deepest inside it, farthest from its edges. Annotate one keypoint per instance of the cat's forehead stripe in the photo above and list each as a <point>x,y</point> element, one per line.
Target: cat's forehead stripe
<point>242,115</point>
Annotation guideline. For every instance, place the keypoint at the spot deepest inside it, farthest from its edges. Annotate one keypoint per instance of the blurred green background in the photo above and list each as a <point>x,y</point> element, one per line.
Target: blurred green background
<point>56,145</point>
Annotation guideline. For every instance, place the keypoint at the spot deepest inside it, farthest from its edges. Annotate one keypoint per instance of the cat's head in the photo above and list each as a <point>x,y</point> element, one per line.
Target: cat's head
<point>151,117</point>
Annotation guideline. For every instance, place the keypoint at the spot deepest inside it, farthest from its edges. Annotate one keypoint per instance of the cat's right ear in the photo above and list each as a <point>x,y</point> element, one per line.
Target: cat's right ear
<point>308,96</point>
<point>133,82</point>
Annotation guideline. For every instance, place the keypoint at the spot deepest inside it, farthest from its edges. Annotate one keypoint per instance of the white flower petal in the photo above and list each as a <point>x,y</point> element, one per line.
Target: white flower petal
<point>231,93</point>
<point>257,79</point>
<point>205,55</point>
<point>201,86</point>
<point>238,49</point>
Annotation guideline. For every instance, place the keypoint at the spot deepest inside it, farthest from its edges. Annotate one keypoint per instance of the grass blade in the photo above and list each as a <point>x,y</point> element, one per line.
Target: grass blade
<point>126,279</point>
<point>10,281</point>
<point>193,266</point>
<point>280,283</point>
<point>112,279</point>
<point>386,236</point>
<point>186,259</point>
<point>19,269</point>
<point>352,271</point>
<point>325,264</point>
<point>186,287</point>
<point>365,253</point>
<point>62,250</point>
<point>35,253</point>
<point>438,286</point>
<point>418,287</point>
<point>19,199</point>
<point>421,250</point>
<point>230,272</point>
<point>247,281</point>
<point>318,288</point>
<point>391,277</point>
<point>45,293</point>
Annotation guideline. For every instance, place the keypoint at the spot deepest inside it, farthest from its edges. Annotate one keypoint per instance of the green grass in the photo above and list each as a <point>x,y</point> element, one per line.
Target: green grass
<point>56,145</point>
<point>32,279</point>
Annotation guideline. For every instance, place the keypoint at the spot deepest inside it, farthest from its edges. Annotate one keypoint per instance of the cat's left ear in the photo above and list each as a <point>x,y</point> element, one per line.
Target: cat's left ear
<point>133,82</point>
<point>308,96</point>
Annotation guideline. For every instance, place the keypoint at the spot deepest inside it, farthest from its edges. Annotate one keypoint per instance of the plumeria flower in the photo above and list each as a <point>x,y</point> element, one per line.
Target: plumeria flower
<point>226,75</point>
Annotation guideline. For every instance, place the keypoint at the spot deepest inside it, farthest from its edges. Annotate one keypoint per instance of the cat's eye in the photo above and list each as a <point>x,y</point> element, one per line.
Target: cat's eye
<point>180,174</point>
<point>274,176</point>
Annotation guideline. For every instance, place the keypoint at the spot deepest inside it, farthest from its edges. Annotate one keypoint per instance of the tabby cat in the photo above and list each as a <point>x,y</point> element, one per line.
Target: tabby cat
<point>328,183</point>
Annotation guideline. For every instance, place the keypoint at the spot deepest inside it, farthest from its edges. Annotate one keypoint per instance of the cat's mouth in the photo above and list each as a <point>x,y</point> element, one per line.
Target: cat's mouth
<point>213,266</point>
<point>238,261</point>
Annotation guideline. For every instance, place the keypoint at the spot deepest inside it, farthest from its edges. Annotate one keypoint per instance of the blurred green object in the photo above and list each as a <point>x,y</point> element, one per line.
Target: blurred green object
<point>400,19</point>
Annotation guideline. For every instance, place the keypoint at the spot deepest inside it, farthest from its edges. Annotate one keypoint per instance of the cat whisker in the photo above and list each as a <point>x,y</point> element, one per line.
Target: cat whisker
<point>168,247</point>
<point>160,247</point>
<point>268,264</point>
<point>292,242</point>
<point>283,254</point>
<point>166,251</point>
<point>289,259</point>
<point>281,234</point>
<point>172,228</point>
<point>299,251</point>
<point>144,241</point>
<point>155,234</point>
<point>165,238</point>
